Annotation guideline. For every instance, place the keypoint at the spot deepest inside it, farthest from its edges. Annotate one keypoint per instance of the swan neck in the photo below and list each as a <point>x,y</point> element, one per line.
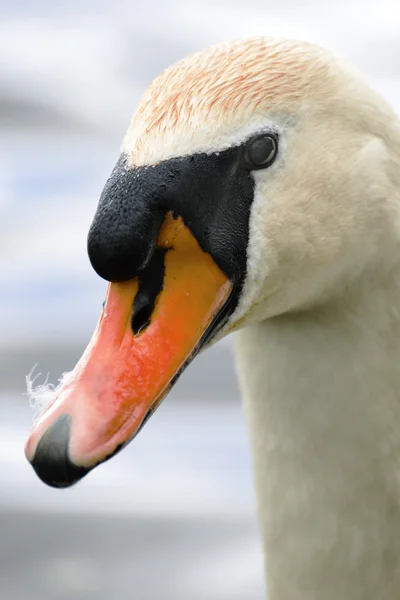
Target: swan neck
<point>321,393</point>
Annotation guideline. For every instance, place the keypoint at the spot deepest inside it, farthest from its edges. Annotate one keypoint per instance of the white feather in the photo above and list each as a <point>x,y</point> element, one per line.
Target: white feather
<point>41,395</point>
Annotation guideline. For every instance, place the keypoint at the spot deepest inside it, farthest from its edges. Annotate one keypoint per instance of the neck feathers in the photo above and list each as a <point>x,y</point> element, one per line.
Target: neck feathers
<point>322,397</point>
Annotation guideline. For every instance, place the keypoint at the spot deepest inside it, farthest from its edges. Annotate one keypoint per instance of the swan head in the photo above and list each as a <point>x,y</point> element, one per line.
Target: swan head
<point>255,178</point>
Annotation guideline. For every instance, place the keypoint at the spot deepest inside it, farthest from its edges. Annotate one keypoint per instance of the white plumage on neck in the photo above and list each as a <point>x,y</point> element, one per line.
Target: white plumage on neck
<point>321,392</point>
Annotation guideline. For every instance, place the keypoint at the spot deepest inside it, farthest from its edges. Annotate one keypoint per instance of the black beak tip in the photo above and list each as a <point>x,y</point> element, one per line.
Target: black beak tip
<point>51,461</point>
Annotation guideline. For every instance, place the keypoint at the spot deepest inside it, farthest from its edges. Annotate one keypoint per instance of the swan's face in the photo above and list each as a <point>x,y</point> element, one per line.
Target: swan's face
<point>234,200</point>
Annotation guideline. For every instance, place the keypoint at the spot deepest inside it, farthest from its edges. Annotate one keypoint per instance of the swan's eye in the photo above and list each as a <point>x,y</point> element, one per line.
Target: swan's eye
<point>260,152</point>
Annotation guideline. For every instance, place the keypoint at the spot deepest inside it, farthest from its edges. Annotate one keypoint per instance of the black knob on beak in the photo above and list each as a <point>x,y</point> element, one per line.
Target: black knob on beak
<point>123,234</point>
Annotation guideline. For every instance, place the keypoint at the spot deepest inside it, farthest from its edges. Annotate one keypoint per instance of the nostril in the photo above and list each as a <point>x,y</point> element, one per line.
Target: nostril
<point>141,314</point>
<point>51,460</point>
<point>151,282</point>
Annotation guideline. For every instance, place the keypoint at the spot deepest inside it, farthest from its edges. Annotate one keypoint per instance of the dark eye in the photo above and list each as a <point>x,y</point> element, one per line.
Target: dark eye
<point>260,152</point>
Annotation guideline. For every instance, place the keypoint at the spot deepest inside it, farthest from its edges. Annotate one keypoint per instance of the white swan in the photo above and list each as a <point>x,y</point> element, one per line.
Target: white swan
<point>273,171</point>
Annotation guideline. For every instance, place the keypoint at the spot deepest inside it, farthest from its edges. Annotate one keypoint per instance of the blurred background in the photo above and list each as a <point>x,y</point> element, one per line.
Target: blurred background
<point>173,515</point>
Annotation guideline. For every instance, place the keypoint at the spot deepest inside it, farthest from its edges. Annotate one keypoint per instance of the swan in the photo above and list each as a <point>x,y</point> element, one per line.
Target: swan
<point>258,192</point>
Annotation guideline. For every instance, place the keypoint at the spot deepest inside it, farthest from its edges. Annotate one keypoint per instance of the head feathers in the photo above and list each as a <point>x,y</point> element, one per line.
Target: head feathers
<point>209,100</point>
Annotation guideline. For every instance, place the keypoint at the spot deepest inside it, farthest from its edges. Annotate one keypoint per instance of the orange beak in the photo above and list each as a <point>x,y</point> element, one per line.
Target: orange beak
<point>123,376</point>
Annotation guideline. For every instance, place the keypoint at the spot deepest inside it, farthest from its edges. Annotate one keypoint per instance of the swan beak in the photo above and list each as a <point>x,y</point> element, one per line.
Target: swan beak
<point>149,330</point>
